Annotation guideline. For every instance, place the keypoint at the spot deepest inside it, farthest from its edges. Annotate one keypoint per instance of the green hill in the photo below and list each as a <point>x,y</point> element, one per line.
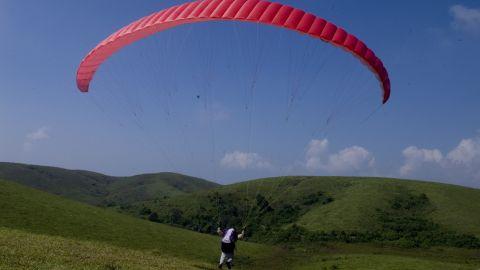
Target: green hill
<point>454,207</point>
<point>64,222</point>
<point>146,187</point>
<point>359,207</point>
<point>98,189</point>
<point>43,231</point>
<point>317,204</point>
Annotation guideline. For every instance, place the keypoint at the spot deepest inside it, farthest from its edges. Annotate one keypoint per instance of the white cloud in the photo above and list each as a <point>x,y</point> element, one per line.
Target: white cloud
<point>351,160</point>
<point>37,135</point>
<point>461,164</point>
<point>466,19</point>
<point>242,160</point>
<point>315,152</point>
<point>466,153</point>
<point>415,157</point>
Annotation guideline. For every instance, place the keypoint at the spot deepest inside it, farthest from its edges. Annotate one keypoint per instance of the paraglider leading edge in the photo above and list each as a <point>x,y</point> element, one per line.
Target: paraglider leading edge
<point>257,11</point>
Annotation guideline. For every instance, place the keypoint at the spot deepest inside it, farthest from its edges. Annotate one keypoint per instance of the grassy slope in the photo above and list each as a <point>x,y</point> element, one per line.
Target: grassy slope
<point>78,185</point>
<point>355,200</point>
<point>366,257</point>
<point>33,223</point>
<point>21,250</point>
<point>94,188</point>
<point>455,207</point>
<point>384,262</point>
<point>37,212</point>
<point>146,187</point>
<point>354,206</point>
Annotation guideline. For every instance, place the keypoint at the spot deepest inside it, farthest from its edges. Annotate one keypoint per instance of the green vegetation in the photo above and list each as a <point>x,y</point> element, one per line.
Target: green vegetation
<point>357,200</point>
<point>20,250</point>
<point>353,204</point>
<point>304,222</point>
<point>405,222</point>
<point>37,212</point>
<point>384,262</point>
<point>365,256</point>
<point>397,212</point>
<point>102,190</point>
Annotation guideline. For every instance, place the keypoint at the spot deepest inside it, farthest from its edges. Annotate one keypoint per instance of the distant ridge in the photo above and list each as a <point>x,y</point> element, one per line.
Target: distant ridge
<point>339,216</point>
<point>98,189</point>
<point>317,204</point>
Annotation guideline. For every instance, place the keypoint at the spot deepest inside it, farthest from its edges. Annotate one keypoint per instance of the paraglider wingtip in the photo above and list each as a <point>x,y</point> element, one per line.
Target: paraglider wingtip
<point>82,87</point>
<point>385,99</point>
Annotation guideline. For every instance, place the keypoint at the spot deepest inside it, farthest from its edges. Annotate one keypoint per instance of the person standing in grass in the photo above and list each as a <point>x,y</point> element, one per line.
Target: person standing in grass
<point>229,237</point>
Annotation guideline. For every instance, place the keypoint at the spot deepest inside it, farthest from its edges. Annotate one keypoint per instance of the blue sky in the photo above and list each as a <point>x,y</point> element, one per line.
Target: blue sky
<point>143,113</point>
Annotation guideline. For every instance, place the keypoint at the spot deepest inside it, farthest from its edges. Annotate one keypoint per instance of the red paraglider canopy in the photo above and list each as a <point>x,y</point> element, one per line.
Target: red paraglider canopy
<point>258,11</point>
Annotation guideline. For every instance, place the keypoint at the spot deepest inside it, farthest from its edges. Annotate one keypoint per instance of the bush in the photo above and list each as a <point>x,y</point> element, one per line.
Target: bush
<point>153,217</point>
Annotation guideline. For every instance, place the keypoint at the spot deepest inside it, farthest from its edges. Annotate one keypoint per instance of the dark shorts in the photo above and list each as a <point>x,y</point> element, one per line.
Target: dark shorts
<point>228,247</point>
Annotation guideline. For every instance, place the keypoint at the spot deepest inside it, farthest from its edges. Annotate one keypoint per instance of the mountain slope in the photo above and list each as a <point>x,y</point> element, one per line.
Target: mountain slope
<point>145,187</point>
<point>82,186</point>
<point>37,212</point>
<point>330,203</point>
<point>353,203</point>
<point>454,207</point>
<point>98,189</point>
<point>33,223</point>
<point>23,250</point>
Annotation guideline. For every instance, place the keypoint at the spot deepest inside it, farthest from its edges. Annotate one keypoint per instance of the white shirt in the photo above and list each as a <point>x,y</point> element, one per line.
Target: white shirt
<point>228,234</point>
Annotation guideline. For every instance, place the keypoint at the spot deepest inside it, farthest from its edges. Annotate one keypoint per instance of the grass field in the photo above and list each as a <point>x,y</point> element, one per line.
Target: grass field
<point>380,262</point>
<point>40,213</point>
<point>21,250</point>
<point>367,256</point>
<point>44,231</point>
